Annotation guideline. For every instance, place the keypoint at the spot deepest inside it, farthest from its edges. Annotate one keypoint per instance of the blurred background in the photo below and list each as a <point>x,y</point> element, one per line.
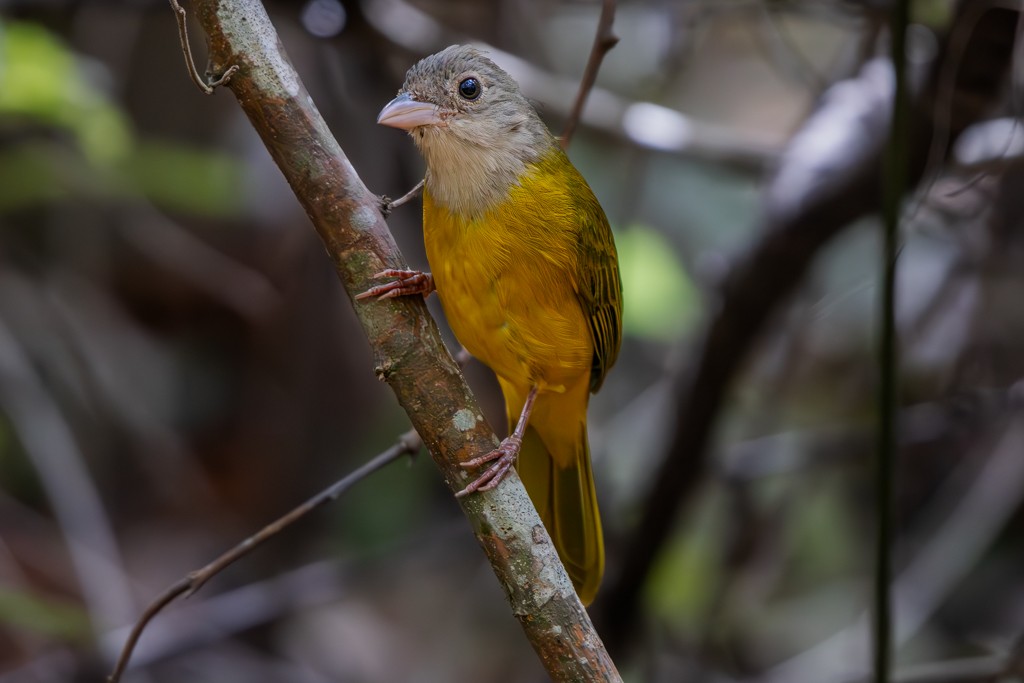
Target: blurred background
<point>179,364</point>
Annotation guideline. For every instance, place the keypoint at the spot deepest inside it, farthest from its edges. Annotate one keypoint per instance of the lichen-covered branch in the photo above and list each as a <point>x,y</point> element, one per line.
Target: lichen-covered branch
<point>408,351</point>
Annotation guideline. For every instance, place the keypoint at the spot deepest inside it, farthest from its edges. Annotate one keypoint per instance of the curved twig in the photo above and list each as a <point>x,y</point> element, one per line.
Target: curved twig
<point>604,40</point>
<point>186,49</point>
<point>409,443</point>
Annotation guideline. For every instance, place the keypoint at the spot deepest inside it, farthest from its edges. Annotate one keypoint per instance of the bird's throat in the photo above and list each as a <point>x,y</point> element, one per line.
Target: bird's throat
<point>468,178</point>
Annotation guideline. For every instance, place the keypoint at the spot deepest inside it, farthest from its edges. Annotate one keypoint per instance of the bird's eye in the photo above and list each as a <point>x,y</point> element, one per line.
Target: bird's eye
<point>469,88</point>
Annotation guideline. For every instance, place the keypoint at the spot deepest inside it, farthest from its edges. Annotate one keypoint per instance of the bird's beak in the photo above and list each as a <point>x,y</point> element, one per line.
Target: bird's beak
<point>406,113</point>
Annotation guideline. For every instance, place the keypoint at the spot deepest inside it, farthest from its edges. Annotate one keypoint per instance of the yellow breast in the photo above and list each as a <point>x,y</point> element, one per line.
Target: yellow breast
<point>507,281</point>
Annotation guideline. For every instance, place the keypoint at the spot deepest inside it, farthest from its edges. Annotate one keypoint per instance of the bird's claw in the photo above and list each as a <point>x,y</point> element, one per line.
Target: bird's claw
<point>408,282</point>
<point>502,458</point>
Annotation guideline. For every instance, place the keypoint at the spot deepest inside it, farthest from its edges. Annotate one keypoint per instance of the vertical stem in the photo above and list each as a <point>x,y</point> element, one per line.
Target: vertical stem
<point>895,181</point>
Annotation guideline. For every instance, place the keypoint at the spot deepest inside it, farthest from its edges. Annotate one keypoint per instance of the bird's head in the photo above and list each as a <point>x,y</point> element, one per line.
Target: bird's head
<point>459,92</point>
<point>470,120</point>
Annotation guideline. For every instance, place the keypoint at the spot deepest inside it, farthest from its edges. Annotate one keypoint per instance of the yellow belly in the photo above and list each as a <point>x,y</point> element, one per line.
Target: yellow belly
<point>506,282</point>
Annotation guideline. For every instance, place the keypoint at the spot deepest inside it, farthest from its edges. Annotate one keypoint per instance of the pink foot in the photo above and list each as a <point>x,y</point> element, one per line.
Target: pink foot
<point>408,282</point>
<point>502,457</point>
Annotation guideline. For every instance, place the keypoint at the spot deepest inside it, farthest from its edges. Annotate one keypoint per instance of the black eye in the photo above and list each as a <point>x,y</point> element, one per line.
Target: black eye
<point>469,88</point>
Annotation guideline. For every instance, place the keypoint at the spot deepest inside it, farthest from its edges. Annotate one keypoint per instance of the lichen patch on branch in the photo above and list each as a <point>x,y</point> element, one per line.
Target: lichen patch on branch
<point>261,40</point>
<point>464,420</point>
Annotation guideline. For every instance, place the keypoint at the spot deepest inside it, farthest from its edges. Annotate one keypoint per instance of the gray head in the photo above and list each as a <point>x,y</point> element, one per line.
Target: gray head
<point>475,128</point>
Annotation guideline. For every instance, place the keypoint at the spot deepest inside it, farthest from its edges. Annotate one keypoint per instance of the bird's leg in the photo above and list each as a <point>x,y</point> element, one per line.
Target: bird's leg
<point>502,457</point>
<point>408,282</point>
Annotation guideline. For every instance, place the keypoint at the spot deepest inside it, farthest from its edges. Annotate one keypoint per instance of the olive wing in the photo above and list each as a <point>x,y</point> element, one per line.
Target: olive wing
<point>598,285</point>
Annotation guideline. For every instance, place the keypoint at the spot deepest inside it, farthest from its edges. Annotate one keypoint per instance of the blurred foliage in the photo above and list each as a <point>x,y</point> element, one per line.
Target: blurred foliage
<point>166,294</point>
<point>661,300</point>
<point>678,591</point>
<point>44,85</point>
<point>43,616</point>
<point>187,179</point>
<point>41,82</point>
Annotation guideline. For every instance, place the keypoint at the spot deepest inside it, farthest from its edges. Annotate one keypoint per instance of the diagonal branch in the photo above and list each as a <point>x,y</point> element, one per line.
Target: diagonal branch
<point>408,443</point>
<point>407,347</point>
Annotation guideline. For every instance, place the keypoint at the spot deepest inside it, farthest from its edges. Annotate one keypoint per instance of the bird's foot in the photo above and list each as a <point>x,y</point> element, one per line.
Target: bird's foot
<point>408,282</point>
<point>501,458</point>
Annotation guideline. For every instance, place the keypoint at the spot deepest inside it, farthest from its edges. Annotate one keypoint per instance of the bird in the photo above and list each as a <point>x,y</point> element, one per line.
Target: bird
<point>523,260</point>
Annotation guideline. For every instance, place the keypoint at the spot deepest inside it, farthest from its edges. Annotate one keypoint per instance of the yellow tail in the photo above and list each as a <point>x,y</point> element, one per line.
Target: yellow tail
<point>561,484</point>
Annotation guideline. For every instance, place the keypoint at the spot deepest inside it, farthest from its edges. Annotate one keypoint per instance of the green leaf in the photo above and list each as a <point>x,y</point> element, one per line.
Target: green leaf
<point>660,301</point>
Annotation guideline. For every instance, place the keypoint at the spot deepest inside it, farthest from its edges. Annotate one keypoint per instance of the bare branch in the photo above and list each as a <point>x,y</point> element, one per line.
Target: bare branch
<point>604,40</point>
<point>408,443</point>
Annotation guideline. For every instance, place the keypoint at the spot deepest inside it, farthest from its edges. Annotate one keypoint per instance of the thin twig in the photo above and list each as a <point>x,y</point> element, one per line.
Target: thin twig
<point>784,54</point>
<point>730,146</point>
<point>186,49</point>
<point>197,626</point>
<point>389,205</point>
<point>604,40</point>
<point>408,443</point>
<point>960,36</point>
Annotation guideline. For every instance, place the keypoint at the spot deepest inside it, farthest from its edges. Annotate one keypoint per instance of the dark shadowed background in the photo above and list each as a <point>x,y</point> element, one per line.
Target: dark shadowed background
<point>179,364</point>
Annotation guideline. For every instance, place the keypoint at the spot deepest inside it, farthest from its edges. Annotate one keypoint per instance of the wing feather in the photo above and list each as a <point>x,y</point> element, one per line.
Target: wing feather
<point>597,281</point>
